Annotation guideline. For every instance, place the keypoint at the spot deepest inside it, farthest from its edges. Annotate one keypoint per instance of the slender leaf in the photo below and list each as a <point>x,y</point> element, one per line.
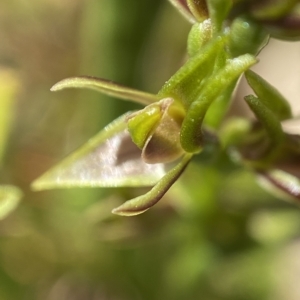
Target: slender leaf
<point>106,87</point>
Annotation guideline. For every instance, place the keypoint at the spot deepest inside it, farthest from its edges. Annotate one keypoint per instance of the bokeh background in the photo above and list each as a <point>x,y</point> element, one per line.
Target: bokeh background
<point>215,236</point>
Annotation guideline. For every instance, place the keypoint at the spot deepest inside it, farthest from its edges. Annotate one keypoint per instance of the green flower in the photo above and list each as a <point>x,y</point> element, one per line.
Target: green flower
<point>153,146</point>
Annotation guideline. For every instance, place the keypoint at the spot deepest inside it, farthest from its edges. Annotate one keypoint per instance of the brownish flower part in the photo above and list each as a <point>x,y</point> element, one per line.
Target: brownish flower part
<point>199,9</point>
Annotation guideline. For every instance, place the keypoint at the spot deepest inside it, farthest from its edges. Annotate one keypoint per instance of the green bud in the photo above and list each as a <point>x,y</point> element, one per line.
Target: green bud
<point>199,35</point>
<point>246,36</point>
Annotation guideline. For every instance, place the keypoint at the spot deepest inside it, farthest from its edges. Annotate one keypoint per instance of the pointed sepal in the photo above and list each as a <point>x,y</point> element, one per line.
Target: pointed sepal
<point>269,96</point>
<point>142,203</point>
<point>267,119</point>
<point>191,132</point>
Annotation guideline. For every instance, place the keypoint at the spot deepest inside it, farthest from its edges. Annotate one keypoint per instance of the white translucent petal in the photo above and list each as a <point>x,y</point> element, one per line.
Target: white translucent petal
<point>109,159</point>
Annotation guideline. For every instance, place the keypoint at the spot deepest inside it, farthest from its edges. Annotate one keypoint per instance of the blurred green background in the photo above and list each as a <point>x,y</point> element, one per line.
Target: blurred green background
<point>215,236</point>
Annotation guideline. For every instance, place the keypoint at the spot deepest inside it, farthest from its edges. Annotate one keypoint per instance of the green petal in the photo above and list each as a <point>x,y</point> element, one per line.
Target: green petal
<point>142,203</point>
<point>9,199</point>
<point>185,85</point>
<point>183,8</point>
<point>269,96</point>
<point>275,135</point>
<point>142,123</point>
<point>109,159</point>
<point>106,87</point>
<point>266,117</point>
<point>191,132</point>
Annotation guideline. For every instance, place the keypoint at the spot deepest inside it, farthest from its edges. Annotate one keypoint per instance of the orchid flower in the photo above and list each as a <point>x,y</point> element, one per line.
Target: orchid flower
<point>153,146</point>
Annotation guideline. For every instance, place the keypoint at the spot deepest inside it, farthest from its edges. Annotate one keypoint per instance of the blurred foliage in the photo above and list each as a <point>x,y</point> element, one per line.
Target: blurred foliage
<point>214,237</point>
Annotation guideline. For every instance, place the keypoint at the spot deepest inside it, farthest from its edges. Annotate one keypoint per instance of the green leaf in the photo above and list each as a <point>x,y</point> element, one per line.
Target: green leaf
<point>142,203</point>
<point>9,199</point>
<point>183,8</point>
<point>269,96</point>
<point>185,85</point>
<point>191,132</point>
<point>109,159</point>
<point>106,87</point>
